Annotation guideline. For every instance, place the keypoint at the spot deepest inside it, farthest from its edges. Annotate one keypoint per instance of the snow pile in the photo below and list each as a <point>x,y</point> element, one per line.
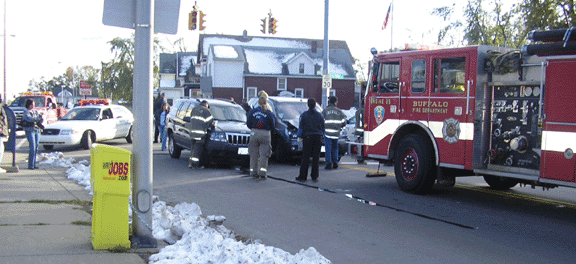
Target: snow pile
<point>201,242</point>
<point>193,238</point>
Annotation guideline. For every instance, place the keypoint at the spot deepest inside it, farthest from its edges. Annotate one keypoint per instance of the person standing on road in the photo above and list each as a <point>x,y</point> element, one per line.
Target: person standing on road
<point>162,126</point>
<point>335,119</point>
<point>32,123</point>
<point>4,131</point>
<point>261,121</point>
<point>160,101</point>
<point>311,131</point>
<point>359,132</point>
<point>201,120</point>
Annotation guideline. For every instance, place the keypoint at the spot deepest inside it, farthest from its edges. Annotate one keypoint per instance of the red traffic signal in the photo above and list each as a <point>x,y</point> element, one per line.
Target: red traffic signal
<point>192,20</point>
<point>201,21</point>
<point>272,25</point>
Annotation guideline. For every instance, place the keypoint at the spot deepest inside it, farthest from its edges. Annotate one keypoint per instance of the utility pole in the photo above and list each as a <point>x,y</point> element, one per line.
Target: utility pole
<point>142,148</point>
<point>325,91</point>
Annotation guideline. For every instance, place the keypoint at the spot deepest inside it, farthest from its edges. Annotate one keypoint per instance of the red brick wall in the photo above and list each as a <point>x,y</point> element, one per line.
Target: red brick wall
<point>312,88</point>
<point>227,93</point>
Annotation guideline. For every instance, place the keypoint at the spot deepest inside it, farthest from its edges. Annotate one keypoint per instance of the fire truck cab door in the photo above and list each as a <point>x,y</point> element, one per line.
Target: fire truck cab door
<point>450,106</point>
<point>383,107</point>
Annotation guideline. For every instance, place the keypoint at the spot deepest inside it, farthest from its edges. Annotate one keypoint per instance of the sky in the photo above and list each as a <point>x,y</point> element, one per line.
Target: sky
<point>192,237</point>
<point>43,38</point>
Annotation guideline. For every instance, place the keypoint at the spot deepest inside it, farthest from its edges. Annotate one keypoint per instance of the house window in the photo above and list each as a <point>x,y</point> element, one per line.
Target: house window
<point>332,92</point>
<point>282,84</point>
<point>299,92</point>
<point>301,68</point>
<point>251,92</point>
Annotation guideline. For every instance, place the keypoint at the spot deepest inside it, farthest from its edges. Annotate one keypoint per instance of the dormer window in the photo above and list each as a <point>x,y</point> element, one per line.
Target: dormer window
<point>301,71</point>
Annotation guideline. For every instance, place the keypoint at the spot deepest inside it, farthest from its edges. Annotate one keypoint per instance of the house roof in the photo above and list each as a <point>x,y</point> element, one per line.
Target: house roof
<point>266,55</point>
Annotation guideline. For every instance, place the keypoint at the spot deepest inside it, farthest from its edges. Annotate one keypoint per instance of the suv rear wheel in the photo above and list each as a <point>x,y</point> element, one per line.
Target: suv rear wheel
<point>173,149</point>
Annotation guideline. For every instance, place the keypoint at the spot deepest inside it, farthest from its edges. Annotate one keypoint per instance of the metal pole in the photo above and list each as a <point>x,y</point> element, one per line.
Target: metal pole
<point>325,92</point>
<point>5,99</point>
<point>142,148</point>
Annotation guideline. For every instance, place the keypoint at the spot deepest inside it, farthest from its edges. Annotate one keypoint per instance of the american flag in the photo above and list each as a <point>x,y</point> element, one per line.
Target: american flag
<point>387,16</point>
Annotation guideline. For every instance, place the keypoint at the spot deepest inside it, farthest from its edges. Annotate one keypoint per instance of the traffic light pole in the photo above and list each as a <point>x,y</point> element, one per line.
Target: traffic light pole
<point>142,148</point>
<point>325,91</point>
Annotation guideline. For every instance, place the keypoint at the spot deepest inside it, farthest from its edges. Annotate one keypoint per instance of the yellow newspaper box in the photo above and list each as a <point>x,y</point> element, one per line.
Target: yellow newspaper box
<point>110,180</point>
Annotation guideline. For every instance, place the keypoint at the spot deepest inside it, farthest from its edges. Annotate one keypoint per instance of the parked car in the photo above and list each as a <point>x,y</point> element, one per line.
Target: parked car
<point>84,125</point>
<point>226,144</point>
<point>285,144</point>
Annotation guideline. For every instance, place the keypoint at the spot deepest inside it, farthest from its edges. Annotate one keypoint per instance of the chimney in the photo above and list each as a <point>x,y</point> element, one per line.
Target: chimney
<point>245,34</point>
<point>314,46</point>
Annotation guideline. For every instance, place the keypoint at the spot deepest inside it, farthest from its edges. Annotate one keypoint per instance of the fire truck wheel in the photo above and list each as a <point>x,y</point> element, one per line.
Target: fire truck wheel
<point>174,150</point>
<point>414,165</point>
<point>87,140</point>
<point>129,136</point>
<point>48,147</point>
<point>500,183</point>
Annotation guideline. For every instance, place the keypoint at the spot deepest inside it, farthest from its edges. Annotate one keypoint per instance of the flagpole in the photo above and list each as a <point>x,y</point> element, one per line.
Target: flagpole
<point>392,26</point>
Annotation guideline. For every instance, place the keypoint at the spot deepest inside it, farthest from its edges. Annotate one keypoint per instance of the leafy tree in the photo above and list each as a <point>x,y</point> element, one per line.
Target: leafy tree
<point>118,74</point>
<point>497,27</point>
<point>69,79</point>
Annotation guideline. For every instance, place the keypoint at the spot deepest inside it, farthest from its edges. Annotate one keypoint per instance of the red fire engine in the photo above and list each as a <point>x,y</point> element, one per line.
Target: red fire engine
<point>506,115</point>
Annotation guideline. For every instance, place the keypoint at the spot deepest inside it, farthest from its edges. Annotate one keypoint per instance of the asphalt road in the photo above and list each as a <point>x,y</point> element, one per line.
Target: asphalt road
<point>350,218</point>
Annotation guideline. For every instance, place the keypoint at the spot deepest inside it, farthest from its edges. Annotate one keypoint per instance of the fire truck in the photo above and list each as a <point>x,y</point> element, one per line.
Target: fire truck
<point>507,115</point>
<point>45,103</point>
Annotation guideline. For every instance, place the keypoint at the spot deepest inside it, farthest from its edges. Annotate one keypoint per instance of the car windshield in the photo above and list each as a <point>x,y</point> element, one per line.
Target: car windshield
<point>21,101</point>
<point>228,113</point>
<point>291,110</point>
<point>82,114</point>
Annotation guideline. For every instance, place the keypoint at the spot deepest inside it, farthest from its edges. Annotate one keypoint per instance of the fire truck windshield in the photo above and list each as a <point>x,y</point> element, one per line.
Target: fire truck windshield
<point>21,101</point>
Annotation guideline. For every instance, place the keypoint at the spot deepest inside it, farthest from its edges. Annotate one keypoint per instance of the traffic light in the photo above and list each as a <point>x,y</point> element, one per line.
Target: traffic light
<point>201,21</point>
<point>192,20</point>
<point>272,25</point>
<point>263,30</point>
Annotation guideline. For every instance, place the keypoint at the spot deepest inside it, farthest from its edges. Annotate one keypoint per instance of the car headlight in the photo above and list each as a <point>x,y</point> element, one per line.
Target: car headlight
<point>218,136</point>
<point>66,132</point>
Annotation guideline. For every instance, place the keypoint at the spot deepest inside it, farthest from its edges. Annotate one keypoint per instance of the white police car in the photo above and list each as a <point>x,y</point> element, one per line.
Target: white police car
<point>84,125</point>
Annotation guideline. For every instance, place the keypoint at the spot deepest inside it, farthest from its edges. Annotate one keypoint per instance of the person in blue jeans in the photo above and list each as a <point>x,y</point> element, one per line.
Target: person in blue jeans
<point>162,124</point>
<point>32,123</point>
<point>334,120</point>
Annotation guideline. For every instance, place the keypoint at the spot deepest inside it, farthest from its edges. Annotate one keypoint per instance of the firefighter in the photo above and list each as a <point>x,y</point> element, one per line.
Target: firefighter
<point>359,132</point>
<point>260,121</point>
<point>201,120</point>
<point>334,120</point>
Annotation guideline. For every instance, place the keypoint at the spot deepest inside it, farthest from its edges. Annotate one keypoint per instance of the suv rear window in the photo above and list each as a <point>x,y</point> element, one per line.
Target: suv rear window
<point>292,110</point>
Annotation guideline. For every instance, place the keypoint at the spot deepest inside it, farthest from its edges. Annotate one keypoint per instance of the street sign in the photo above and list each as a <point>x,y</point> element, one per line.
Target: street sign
<point>121,13</point>
<point>337,76</point>
<point>326,82</point>
<point>85,88</point>
<point>84,84</point>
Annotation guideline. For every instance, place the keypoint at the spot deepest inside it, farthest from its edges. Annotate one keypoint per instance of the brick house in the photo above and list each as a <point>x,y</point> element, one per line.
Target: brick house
<point>240,66</point>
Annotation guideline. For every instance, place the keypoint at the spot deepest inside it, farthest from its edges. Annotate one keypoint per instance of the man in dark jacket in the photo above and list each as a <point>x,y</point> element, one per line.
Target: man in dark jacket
<point>200,121</point>
<point>157,110</point>
<point>334,119</point>
<point>311,131</point>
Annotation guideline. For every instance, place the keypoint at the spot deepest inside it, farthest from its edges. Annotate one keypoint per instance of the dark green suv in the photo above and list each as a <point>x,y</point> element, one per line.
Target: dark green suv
<point>226,144</point>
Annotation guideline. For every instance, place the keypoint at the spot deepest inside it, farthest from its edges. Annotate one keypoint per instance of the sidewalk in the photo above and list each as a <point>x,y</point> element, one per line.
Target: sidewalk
<point>35,229</point>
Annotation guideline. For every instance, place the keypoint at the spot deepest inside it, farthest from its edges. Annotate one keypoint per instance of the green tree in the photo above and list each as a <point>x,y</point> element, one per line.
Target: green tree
<point>503,28</point>
<point>118,74</point>
<point>479,26</point>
